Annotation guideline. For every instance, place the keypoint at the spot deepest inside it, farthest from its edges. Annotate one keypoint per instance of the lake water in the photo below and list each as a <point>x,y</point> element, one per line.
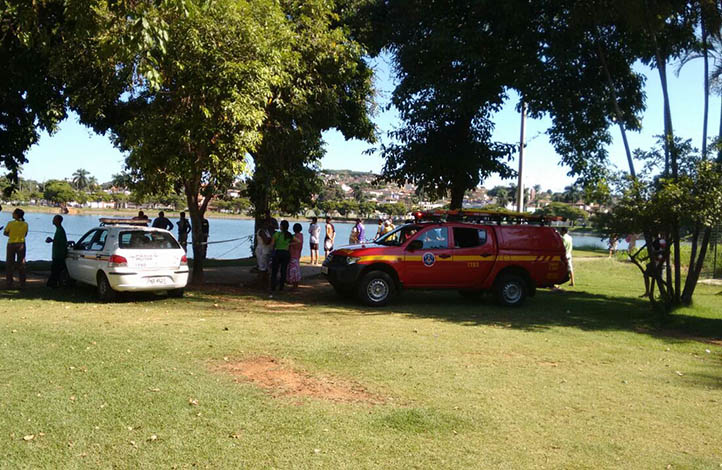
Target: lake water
<point>40,226</point>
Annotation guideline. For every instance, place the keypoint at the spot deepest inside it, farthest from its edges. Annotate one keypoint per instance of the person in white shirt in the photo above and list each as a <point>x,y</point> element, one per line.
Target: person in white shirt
<point>568,246</point>
<point>315,232</point>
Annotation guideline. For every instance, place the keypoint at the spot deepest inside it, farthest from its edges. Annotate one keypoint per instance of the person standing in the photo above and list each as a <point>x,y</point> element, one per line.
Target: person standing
<point>379,229</point>
<point>330,237</point>
<point>141,216</point>
<point>184,228</point>
<point>613,241</point>
<point>162,222</point>
<point>60,250</point>
<point>16,230</point>
<point>361,231</point>
<point>281,256</point>
<point>568,247</point>
<point>315,233</point>
<point>353,236</point>
<point>294,249</point>
<point>264,246</point>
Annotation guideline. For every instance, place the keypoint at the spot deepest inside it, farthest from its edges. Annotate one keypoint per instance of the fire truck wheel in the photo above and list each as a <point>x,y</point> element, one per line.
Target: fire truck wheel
<point>376,289</point>
<point>511,290</point>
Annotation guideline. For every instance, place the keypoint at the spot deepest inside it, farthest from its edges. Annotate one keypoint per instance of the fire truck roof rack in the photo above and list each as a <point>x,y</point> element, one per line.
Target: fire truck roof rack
<point>498,217</point>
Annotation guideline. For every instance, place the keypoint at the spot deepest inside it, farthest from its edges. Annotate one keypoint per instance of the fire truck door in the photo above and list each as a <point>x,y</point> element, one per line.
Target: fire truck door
<point>473,255</point>
<point>430,264</point>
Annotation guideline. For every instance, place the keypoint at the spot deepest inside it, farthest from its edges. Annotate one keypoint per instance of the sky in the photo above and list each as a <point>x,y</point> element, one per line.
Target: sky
<point>74,146</point>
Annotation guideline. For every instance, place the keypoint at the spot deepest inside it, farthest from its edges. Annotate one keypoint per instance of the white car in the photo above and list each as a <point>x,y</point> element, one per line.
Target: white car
<point>128,258</point>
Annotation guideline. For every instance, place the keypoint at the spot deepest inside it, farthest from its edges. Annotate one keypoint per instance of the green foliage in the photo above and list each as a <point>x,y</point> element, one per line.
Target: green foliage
<point>325,83</point>
<point>59,192</point>
<point>561,209</point>
<point>81,179</point>
<point>449,85</point>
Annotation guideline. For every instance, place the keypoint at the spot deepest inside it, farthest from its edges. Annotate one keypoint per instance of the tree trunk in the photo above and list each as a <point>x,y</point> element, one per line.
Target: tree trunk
<point>617,111</point>
<point>705,117</point>
<point>670,163</point>
<point>457,197</point>
<point>696,269</point>
<point>197,212</point>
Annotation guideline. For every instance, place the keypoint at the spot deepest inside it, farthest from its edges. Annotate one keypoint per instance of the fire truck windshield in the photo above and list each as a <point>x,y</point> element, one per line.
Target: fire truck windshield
<point>398,236</point>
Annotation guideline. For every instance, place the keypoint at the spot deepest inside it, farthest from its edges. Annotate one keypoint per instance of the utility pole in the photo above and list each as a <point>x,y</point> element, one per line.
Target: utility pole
<point>520,184</point>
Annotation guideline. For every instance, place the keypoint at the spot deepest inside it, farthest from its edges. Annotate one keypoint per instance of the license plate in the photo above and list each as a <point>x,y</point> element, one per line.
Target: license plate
<point>324,269</point>
<point>157,281</point>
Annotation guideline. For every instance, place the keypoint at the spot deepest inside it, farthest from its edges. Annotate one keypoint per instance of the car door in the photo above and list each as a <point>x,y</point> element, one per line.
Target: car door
<point>76,256</point>
<point>430,264</point>
<point>90,256</point>
<point>473,255</point>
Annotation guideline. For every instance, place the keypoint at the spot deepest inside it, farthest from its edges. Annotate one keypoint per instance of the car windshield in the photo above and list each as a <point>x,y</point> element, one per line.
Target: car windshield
<point>145,240</point>
<point>398,236</point>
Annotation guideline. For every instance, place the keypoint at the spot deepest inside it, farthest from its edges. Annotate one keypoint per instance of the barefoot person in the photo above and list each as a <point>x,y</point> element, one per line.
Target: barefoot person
<point>16,230</point>
<point>60,249</point>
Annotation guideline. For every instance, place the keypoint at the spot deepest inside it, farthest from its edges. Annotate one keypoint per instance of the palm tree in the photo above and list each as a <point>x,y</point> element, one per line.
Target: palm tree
<point>80,179</point>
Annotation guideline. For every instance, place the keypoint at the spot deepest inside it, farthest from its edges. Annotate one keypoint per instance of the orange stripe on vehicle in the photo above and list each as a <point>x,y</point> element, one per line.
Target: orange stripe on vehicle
<point>473,258</point>
<point>391,258</point>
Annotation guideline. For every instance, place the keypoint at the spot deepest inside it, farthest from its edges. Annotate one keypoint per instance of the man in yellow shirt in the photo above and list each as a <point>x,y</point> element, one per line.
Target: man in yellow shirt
<point>16,230</point>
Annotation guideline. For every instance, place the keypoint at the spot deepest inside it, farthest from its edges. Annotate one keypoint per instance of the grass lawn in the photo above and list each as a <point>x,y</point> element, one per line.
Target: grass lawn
<point>586,378</point>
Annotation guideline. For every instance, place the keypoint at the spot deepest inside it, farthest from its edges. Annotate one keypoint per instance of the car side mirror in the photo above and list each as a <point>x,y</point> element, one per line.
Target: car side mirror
<point>71,244</point>
<point>415,245</point>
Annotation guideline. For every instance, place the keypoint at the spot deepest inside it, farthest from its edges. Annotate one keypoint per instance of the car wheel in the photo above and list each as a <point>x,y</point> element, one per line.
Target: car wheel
<point>105,291</point>
<point>177,293</point>
<point>376,289</point>
<point>511,290</point>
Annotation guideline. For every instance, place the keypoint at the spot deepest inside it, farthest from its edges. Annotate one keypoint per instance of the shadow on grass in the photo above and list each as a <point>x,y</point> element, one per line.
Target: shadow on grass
<point>570,308</point>
<point>79,293</point>
<point>577,309</point>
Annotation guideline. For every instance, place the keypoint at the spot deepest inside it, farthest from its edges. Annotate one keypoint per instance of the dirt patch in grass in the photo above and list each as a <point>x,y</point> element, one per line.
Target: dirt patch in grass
<point>280,380</point>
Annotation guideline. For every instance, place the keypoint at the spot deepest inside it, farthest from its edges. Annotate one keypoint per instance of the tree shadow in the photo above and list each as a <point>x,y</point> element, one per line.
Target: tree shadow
<point>548,309</point>
<point>79,293</point>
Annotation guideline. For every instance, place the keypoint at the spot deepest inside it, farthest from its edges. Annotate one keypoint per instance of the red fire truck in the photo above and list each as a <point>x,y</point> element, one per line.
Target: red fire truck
<point>509,253</point>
